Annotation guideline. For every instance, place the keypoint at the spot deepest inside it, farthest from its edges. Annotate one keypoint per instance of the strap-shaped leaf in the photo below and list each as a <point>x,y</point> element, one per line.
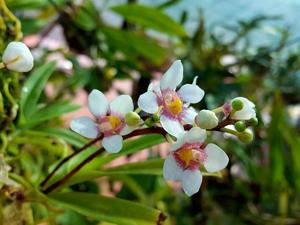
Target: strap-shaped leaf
<point>129,147</point>
<point>113,210</point>
<point>51,111</point>
<point>33,88</point>
<point>149,17</point>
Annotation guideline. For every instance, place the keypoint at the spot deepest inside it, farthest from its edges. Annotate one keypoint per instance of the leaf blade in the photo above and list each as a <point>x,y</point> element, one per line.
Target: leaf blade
<point>109,209</point>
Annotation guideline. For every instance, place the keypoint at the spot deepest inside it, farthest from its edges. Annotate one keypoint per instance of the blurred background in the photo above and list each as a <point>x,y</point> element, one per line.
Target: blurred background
<point>236,48</point>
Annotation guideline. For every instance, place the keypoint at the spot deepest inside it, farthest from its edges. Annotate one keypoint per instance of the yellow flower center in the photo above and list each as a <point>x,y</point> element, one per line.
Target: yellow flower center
<point>186,156</point>
<point>173,103</point>
<point>110,123</point>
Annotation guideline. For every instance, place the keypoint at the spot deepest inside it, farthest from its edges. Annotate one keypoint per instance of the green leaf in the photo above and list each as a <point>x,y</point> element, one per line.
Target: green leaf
<point>134,45</point>
<point>52,111</point>
<point>67,135</point>
<point>86,16</point>
<point>33,88</point>
<point>109,209</point>
<point>129,147</point>
<point>149,167</point>
<point>149,17</point>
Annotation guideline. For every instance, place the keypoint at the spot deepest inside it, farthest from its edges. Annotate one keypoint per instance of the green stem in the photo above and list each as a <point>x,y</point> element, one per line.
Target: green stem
<point>12,17</point>
<point>218,110</point>
<point>233,132</point>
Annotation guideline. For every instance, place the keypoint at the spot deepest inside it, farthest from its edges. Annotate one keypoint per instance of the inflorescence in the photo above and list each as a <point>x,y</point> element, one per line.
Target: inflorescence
<point>168,112</point>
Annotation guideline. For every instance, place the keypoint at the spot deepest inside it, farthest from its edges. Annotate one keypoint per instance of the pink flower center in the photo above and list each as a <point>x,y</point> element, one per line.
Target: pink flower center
<point>171,103</point>
<point>111,124</point>
<point>189,156</point>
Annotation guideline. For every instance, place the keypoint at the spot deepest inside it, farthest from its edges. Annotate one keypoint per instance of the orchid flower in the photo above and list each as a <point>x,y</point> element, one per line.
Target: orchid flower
<point>172,106</point>
<point>17,57</point>
<point>187,154</point>
<point>110,120</point>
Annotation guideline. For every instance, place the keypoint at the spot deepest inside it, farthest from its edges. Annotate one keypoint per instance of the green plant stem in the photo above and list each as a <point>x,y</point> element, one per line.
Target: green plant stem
<point>233,132</point>
<point>12,17</point>
<point>218,110</point>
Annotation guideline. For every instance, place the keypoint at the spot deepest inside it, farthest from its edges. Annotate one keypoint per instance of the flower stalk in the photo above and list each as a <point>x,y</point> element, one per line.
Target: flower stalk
<point>139,132</point>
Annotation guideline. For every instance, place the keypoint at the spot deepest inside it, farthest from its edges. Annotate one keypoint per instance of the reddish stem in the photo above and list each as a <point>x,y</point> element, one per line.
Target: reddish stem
<point>151,130</point>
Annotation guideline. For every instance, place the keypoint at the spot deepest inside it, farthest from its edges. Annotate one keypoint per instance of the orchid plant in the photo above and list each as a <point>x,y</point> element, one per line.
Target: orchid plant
<point>168,112</point>
<point>171,115</point>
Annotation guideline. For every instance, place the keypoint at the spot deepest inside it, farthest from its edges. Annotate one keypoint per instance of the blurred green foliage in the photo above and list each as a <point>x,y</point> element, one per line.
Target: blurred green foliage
<point>260,186</point>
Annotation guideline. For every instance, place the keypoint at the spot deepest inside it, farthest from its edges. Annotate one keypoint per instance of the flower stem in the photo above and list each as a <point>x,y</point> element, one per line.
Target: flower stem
<point>150,130</point>
<point>218,110</point>
<point>233,132</point>
<point>12,17</point>
<point>68,158</point>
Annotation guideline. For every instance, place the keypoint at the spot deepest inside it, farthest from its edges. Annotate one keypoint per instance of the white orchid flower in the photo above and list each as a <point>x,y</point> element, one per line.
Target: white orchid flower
<point>172,105</point>
<point>187,154</point>
<point>17,57</point>
<point>247,112</point>
<point>110,120</point>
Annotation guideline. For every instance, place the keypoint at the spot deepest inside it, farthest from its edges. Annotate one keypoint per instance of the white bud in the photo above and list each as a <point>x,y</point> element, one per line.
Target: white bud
<point>17,57</point>
<point>206,119</point>
<point>247,110</point>
<point>132,119</point>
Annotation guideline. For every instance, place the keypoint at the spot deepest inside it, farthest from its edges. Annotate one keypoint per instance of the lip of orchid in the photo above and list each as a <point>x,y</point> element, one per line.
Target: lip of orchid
<point>165,107</point>
<point>106,127</point>
<point>190,155</point>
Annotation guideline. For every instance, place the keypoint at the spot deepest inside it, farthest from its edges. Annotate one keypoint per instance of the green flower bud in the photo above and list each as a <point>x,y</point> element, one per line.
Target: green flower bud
<point>206,119</point>
<point>245,136</point>
<point>149,122</point>
<point>155,118</point>
<point>237,105</point>
<point>253,121</point>
<point>132,119</point>
<point>240,126</point>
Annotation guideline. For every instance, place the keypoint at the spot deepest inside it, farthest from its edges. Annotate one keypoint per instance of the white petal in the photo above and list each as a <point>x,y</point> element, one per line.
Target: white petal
<point>191,93</point>
<point>85,127</point>
<point>191,181</point>
<point>177,144</point>
<point>98,103</point>
<point>171,170</point>
<point>113,144</point>
<point>195,80</point>
<point>189,116</point>
<point>127,130</point>
<point>173,77</point>
<point>195,135</point>
<point>154,87</point>
<point>147,102</point>
<point>216,158</point>
<point>173,127</point>
<point>17,57</point>
<point>122,104</point>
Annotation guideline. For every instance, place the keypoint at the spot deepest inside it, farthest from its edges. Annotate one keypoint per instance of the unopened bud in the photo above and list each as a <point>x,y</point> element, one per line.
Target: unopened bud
<point>253,121</point>
<point>237,105</point>
<point>206,119</point>
<point>17,57</point>
<point>245,136</point>
<point>132,119</point>
<point>240,126</point>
